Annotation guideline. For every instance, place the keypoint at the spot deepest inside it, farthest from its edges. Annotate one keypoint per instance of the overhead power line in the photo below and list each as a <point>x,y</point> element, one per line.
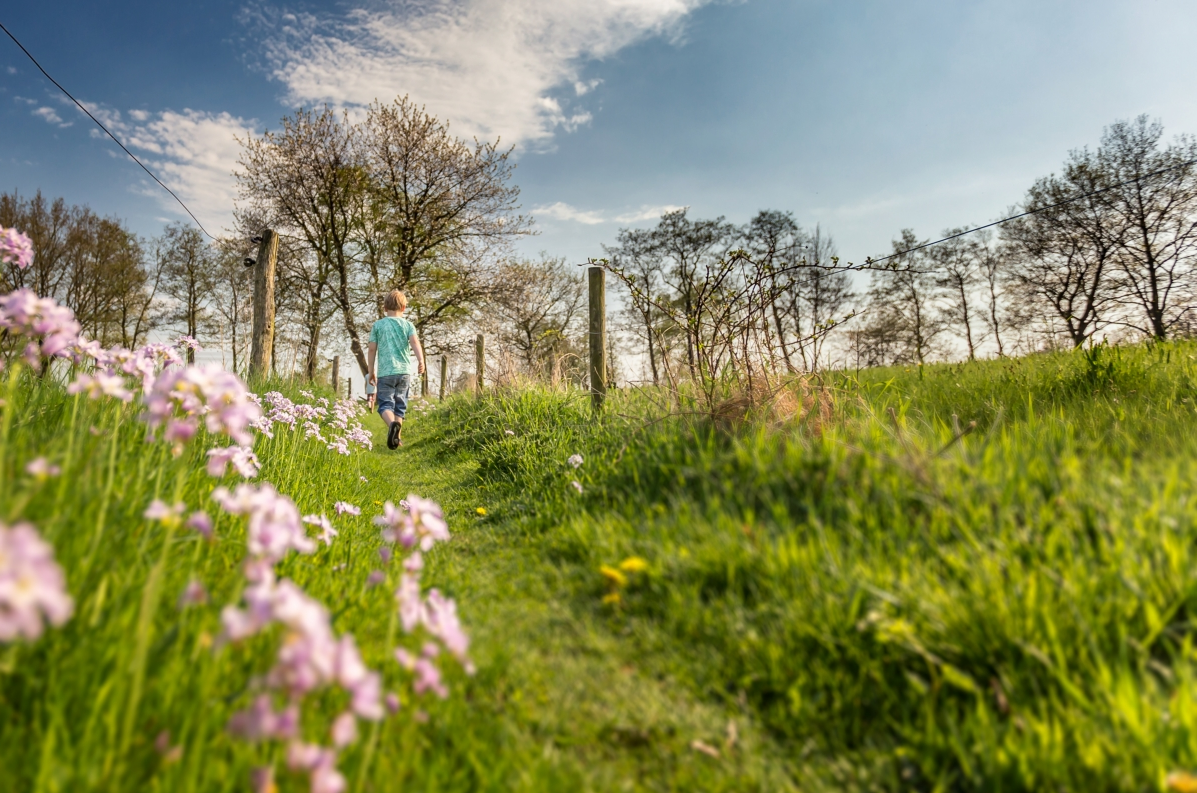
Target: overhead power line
<point>106,130</point>
<point>1066,201</point>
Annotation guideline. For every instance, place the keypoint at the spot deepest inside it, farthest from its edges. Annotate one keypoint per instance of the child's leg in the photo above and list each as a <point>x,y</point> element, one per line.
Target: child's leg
<point>402,392</point>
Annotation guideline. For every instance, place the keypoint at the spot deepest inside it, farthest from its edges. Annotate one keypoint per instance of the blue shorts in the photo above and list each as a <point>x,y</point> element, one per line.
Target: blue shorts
<point>393,391</point>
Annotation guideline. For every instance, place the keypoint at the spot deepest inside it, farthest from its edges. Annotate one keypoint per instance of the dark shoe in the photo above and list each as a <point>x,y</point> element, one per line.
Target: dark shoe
<point>393,436</point>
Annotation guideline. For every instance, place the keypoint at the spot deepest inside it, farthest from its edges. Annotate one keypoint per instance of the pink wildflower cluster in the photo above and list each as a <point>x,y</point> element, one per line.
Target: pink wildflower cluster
<point>275,527</point>
<point>32,586</point>
<point>418,524</point>
<point>242,458</point>
<point>15,248</point>
<point>312,658</point>
<point>336,426</point>
<point>50,330</point>
<point>178,399</point>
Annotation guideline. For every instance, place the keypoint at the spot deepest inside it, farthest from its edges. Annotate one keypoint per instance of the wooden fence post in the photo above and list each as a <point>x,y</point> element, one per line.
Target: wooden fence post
<point>598,337</point>
<point>336,375</point>
<point>263,328</point>
<point>444,375</point>
<point>479,364</point>
<point>349,388</point>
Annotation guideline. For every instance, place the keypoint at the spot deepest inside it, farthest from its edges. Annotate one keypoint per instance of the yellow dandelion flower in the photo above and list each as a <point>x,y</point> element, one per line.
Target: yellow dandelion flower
<point>1181,782</point>
<point>378,503</point>
<point>481,511</point>
<point>633,564</point>
<point>613,575</point>
<point>611,599</point>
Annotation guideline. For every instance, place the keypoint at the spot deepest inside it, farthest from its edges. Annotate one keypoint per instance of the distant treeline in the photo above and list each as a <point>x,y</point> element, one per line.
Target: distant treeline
<point>395,201</point>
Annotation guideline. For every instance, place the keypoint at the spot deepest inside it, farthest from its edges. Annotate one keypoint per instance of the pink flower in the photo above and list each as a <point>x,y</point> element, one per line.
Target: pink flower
<point>260,721</point>
<point>41,469</point>
<point>320,763</point>
<point>51,328</point>
<point>193,594</point>
<point>242,458</point>
<point>577,486</point>
<point>32,585</point>
<point>385,553</point>
<point>158,510</point>
<point>575,460</point>
<point>100,384</point>
<point>440,618</point>
<point>327,532</point>
<point>419,521</point>
<point>275,527</point>
<point>201,523</point>
<point>344,730</point>
<point>375,578</point>
<point>188,343</point>
<point>344,507</point>
<point>428,678</point>
<point>180,396</point>
<point>408,597</point>
<point>392,703</point>
<point>15,248</point>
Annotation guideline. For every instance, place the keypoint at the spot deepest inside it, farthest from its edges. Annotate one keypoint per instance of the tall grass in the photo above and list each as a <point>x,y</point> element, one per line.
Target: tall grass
<point>961,577</point>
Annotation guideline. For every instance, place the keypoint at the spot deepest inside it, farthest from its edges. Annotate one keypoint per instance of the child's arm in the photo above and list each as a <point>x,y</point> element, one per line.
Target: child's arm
<point>373,352</point>
<point>414,341</point>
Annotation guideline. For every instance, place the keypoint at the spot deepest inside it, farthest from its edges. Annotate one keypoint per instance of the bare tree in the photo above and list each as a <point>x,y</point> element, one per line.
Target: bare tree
<point>638,256</point>
<point>232,298</point>
<point>695,269</point>
<point>1062,254</point>
<point>902,304</point>
<point>1153,209</point>
<point>186,264</point>
<point>957,270</point>
<point>308,179</point>
<point>541,305</point>
<point>825,290</point>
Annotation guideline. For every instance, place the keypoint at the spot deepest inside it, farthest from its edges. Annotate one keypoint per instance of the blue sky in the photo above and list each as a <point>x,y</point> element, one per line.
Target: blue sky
<point>865,117</point>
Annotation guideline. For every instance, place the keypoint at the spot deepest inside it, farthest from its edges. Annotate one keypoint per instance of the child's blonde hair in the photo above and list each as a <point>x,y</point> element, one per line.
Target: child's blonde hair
<point>395,301</point>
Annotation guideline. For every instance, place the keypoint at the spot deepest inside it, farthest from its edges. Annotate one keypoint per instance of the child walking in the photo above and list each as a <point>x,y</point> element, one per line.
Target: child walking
<point>395,346</point>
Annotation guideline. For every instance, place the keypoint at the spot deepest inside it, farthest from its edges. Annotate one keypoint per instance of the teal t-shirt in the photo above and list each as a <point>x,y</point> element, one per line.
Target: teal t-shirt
<point>395,355</point>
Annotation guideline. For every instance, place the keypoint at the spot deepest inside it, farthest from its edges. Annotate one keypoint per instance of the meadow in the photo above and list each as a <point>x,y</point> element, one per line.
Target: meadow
<point>959,577</point>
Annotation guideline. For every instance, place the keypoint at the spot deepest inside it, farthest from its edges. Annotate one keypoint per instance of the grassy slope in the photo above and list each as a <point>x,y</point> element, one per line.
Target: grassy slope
<point>869,609</point>
<point>1006,612</point>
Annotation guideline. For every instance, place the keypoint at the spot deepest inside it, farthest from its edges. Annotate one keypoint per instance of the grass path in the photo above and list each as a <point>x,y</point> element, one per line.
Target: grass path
<point>558,702</point>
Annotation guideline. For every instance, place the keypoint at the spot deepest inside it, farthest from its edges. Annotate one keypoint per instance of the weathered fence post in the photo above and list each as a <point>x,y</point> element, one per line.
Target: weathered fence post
<point>479,364</point>
<point>444,375</point>
<point>336,378</point>
<point>349,387</point>
<point>598,337</point>
<point>263,329</point>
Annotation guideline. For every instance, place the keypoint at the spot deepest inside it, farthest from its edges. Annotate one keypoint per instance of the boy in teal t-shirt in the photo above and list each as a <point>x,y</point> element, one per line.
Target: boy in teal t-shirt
<point>396,349</point>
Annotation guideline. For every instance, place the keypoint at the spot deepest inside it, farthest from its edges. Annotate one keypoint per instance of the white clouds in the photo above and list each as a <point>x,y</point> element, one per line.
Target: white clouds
<point>48,115</point>
<point>563,211</point>
<point>646,213</point>
<point>583,88</point>
<point>489,66</point>
<point>192,152</point>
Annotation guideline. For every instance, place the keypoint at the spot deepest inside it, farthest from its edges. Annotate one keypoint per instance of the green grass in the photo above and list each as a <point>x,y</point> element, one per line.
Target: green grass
<point>853,599</point>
